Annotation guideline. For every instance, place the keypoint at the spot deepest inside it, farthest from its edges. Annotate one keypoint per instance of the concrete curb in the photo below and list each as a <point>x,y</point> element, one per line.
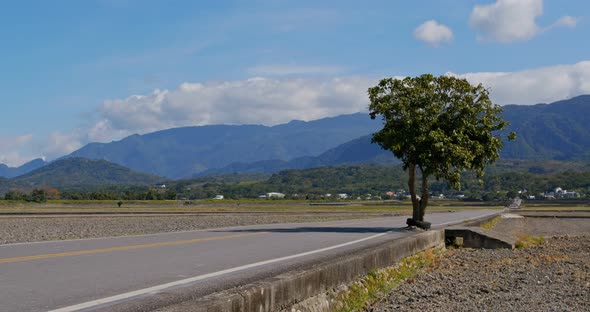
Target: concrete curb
<point>276,293</point>
<point>283,291</point>
<point>483,220</point>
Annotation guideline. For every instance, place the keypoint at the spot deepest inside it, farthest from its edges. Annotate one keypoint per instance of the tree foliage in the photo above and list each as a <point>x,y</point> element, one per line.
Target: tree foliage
<point>441,126</point>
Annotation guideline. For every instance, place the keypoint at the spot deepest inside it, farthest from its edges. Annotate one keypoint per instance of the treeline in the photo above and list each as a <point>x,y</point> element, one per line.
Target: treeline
<point>361,180</point>
<point>113,193</point>
<point>354,180</point>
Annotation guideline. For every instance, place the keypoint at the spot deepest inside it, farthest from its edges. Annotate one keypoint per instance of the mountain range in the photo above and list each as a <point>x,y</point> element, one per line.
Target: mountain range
<point>558,131</point>
<point>74,172</point>
<point>187,151</point>
<point>11,172</point>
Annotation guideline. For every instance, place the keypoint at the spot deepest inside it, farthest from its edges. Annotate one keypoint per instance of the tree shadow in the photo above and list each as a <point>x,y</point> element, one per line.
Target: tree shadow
<point>325,230</point>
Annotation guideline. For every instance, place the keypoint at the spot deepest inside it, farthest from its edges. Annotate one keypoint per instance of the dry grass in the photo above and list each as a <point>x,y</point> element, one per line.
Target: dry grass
<point>489,225</point>
<point>526,241</point>
<point>376,284</point>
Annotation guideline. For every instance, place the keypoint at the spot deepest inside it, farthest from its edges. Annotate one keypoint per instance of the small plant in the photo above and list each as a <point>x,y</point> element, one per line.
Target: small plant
<point>119,203</point>
<point>526,241</point>
<point>379,282</point>
<point>490,224</point>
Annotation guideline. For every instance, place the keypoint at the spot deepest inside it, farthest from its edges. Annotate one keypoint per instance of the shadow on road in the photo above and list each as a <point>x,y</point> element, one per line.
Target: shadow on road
<point>320,229</point>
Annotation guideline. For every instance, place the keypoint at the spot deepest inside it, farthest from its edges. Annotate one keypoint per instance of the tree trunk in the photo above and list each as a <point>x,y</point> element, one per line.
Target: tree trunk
<point>423,197</point>
<point>412,187</point>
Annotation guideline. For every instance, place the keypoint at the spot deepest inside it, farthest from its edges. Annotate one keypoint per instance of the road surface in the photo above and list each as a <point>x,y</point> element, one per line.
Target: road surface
<point>85,274</point>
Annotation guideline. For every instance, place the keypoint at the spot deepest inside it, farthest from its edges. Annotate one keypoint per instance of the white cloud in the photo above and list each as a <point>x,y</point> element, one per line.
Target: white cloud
<point>11,153</point>
<point>539,85</point>
<point>62,143</point>
<point>566,21</point>
<point>273,101</point>
<point>512,20</point>
<point>433,33</point>
<point>252,101</point>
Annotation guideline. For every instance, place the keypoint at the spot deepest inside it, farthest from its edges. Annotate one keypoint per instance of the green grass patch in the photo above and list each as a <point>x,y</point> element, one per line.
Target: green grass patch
<point>526,241</point>
<point>379,283</point>
<point>489,225</point>
<point>172,206</point>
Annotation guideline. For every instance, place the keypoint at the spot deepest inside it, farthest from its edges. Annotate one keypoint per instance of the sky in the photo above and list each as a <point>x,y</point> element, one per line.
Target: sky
<point>74,72</point>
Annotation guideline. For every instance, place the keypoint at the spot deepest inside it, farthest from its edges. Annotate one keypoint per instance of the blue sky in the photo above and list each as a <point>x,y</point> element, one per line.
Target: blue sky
<point>73,72</point>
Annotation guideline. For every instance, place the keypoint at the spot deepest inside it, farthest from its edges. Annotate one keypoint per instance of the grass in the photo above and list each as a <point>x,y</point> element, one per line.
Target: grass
<point>172,206</point>
<point>557,207</point>
<point>379,283</point>
<point>526,241</point>
<point>489,225</point>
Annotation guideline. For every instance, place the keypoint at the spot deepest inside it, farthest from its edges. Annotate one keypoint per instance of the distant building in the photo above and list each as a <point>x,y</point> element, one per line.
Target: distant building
<point>275,195</point>
<point>218,197</point>
<point>342,196</point>
<point>558,192</point>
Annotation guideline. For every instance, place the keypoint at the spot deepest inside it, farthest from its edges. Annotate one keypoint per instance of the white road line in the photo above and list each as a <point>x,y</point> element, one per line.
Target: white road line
<point>462,221</point>
<point>221,229</point>
<point>94,303</point>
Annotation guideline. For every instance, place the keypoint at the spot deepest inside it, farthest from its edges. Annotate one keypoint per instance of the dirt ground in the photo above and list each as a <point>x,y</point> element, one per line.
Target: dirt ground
<point>552,276</point>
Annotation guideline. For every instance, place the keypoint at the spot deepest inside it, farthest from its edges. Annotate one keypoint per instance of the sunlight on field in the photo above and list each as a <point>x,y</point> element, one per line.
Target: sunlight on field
<point>203,206</point>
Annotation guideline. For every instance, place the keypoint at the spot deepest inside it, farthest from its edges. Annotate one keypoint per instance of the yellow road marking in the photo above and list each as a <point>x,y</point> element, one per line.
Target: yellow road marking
<point>95,251</point>
<point>171,243</point>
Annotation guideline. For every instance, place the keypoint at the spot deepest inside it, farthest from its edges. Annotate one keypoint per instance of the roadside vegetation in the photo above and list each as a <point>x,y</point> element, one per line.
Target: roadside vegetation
<point>376,284</point>
<point>501,181</point>
<point>527,241</point>
<point>489,225</point>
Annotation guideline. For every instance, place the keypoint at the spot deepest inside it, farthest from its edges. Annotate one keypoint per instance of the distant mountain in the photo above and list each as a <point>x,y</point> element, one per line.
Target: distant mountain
<point>184,152</point>
<point>9,172</point>
<point>560,130</point>
<point>357,151</point>
<point>81,172</point>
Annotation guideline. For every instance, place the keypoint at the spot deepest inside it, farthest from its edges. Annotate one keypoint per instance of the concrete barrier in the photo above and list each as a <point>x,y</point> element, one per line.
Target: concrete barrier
<point>274,294</point>
<point>476,237</point>
<point>284,290</point>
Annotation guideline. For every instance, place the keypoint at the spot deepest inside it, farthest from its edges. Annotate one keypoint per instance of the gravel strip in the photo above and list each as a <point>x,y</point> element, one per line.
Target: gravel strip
<point>544,226</point>
<point>18,230</point>
<point>554,276</point>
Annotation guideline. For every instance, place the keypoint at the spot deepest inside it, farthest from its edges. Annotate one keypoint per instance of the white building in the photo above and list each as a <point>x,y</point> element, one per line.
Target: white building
<point>218,197</point>
<point>275,195</point>
<point>558,192</point>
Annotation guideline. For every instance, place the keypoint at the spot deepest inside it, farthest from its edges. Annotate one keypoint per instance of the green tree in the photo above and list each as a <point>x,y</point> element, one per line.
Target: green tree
<point>38,196</point>
<point>170,194</point>
<point>15,195</point>
<point>441,126</point>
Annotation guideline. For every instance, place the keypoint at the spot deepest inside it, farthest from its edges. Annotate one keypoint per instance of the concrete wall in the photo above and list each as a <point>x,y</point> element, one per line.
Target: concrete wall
<point>285,290</point>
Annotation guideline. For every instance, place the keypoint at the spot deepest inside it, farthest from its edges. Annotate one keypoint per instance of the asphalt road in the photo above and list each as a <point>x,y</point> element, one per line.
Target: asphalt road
<point>87,274</point>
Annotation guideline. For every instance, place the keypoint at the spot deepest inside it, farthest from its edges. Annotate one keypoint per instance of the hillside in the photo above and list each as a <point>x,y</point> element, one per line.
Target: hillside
<point>362,179</point>
<point>11,172</point>
<point>357,151</point>
<point>184,152</point>
<point>80,172</point>
<point>560,130</point>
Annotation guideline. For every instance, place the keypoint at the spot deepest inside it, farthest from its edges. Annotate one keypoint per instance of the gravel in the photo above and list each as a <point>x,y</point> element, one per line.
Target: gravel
<point>544,226</point>
<point>553,276</point>
<point>30,229</point>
